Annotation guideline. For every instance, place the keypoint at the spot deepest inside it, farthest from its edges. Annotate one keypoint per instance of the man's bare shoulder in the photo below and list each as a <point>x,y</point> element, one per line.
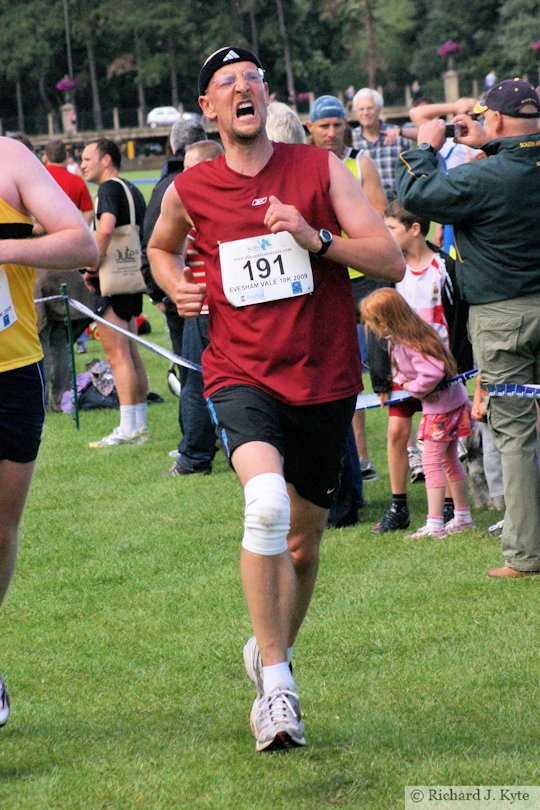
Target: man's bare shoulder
<point>16,160</point>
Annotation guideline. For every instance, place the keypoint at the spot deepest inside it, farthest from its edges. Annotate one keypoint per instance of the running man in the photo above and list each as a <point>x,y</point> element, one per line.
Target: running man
<point>27,191</point>
<point>282,370</point>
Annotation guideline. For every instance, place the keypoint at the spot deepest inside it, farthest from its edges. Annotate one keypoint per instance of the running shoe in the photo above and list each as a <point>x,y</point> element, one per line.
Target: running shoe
<point>393,520</point>
<point>416,470</point>
<point>425,531</point>
<point>448,512</point>
<point>4,703</point>
<point>254,665</point>
<point>179,470</point>
<point>456,525</point>
<point>496,529</point>
<point>368,471</point>
<point>118,437</point>
<point>276,721</point>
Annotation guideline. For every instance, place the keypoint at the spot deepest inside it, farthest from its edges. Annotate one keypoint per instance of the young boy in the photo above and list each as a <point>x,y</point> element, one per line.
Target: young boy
<point>430,289</point>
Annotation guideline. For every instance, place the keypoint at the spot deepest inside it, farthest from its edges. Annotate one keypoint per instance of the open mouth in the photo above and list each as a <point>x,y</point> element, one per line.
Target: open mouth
<point>245,108</point>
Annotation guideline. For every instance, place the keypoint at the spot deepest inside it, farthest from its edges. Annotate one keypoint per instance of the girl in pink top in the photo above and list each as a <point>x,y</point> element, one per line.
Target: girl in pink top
<point>421,362</point>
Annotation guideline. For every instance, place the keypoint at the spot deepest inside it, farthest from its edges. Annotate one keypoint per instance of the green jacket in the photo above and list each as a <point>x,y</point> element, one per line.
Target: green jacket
<point>494,205</point>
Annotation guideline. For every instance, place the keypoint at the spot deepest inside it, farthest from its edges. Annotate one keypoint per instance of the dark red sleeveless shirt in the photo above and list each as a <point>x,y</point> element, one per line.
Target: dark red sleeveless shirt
<point>302,350</point>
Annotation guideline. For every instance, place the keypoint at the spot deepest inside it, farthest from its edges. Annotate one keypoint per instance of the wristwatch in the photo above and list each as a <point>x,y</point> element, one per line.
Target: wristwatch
<point>326,240</point>
<point>427,147</point>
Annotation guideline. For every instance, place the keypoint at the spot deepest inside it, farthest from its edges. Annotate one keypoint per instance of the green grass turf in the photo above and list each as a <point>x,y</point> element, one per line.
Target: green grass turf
<point>122,641</point>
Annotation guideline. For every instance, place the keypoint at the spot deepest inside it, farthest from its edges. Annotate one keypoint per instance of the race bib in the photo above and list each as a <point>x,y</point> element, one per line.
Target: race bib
<point>264,268</point>
<point>8,316</point>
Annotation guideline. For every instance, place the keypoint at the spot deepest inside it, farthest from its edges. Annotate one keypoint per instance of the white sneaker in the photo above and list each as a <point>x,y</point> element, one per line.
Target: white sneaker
<point>426,531</point>
<point>416,469</point>
<point>254,665</point>
<point>496,529</point>
<point>118,437</point>
<point>455,526</point>
<point>4,703</point>
<point>276,721</point>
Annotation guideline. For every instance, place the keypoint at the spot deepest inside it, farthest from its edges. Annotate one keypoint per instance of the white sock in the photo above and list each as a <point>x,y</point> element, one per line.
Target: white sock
<point>463,515</point>
<point>435,523</point>
<point>140,416</point>
<point>277,676</point>
<point>128,419</point>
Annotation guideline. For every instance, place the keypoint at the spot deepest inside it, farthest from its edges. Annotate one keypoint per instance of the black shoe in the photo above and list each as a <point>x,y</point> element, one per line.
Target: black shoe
<point>448,512</point>
<point>393,520</point>
<point>179,469</point>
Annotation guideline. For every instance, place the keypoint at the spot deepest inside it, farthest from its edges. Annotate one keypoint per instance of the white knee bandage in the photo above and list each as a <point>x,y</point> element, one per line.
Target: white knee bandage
<point>267,515</point>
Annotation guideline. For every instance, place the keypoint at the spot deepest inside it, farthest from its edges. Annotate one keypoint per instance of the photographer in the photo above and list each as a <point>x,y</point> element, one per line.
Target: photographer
<point>493,205</point>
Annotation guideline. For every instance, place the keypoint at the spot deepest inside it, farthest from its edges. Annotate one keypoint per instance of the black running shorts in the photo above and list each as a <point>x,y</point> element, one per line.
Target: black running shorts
<point>22,411</point>
<point>311,438</point>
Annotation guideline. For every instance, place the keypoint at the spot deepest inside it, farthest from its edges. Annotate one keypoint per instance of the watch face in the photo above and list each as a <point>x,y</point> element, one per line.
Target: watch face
<point>325,236</point>
<point>424,146</point>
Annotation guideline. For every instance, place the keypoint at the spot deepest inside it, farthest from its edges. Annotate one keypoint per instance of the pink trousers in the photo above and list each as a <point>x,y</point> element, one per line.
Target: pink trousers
<point>441,461</point>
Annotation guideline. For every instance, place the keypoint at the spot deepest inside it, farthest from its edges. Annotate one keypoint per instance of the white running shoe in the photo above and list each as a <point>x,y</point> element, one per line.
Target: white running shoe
<point>118,437</point>
<point>253,664</point>
<point>416,469</point>
<point>496,529</point>
<point>276,721</point>
<point>455,526</point>
<point>4,703</point>
<point>425,531</point>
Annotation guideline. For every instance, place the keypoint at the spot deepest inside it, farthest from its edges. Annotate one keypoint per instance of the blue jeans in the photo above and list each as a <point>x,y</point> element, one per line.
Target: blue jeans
<point>197,446</point>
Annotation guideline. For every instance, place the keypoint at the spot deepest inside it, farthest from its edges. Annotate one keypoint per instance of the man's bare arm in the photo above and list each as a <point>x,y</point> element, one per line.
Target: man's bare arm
<point>165,254</point>
<point>427,112</point>
<point>370,247</point>
<point>103,233</point>
<point>371,184</point>
<point>30,189</point>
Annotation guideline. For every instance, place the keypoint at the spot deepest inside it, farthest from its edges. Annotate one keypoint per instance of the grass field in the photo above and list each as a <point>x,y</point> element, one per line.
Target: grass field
<point>123,630</point>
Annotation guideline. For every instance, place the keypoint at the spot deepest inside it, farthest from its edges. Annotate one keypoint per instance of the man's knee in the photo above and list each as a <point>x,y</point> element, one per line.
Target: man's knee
<point>267,515</point>
<point>304,550</point>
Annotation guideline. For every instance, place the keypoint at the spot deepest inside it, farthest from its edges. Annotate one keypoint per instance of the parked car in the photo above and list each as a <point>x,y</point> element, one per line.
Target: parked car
<point>162,117</point>
<point>167,116</point>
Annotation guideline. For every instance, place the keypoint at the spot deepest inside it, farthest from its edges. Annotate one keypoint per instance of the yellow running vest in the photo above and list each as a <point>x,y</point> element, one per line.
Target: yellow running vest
<point>19,341</point>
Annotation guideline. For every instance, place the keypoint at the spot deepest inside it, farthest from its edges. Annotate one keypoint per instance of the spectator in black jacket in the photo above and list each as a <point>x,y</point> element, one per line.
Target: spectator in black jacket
<point>182,134</point>
<point>429,286</point>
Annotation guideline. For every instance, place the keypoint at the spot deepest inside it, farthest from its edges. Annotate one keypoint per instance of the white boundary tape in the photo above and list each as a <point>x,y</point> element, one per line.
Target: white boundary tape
<point>363,401</point>
<point>511,390</point>
<point>366,401</point>
<point>173,358</point>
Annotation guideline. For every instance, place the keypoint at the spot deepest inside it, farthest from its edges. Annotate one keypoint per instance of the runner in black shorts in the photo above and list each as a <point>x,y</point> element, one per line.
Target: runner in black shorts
<point>28,194</point>
<point>304,435</point>
<point>116,202</point>
<point>22,411</point>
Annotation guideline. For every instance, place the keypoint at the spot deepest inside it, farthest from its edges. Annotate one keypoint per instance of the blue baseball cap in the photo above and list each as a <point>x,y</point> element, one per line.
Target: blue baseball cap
<point>326,107</point>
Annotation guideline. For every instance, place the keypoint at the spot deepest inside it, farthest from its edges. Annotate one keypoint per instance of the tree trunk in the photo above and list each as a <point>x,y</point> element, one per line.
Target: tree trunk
<point>286,55</point>
<point>370,42</point>
<point>96,101</point>
<point>253,28</point>
<point>20,110</point>
<point>140,82</point>
<point>51,109</point>
<point>171,50</point>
